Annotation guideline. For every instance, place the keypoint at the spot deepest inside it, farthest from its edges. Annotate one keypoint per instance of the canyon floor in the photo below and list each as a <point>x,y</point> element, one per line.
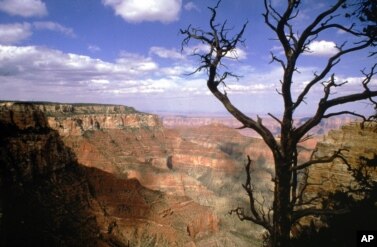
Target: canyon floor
<point>134,179</point>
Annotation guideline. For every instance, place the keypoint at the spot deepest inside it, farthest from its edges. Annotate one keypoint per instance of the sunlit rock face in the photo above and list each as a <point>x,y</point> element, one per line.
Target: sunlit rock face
<point>203,164</point>
<point>49,199</point>
<point>358,142</point>
<point>207,173</point>
<point>139,181</point>
<point>75,119</point>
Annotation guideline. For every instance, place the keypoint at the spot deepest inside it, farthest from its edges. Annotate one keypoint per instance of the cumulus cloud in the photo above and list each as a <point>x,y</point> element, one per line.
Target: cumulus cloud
<point>44,72</point>
<point>36,73</point>
<point>53,26</point>
<point>14,33</point>
<point>353,82</point>
<point>146,10</point>
<point>322,48</point>
<point>136,62</point>
<point>190,6</point>
<point>165,53</point>
<point>24,8</point>
<point>17,32</point>
<point>236,54</point>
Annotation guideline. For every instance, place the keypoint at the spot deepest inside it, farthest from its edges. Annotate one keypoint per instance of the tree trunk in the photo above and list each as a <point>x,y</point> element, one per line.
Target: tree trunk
<point>281,207</point>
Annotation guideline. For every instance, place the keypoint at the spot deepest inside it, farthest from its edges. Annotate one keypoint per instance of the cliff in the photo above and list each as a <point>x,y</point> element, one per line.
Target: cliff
<point>49,199</point>
<point>136,180</point>
<point>75,119</point>
<point>44,198</point>
<point>358,142</point>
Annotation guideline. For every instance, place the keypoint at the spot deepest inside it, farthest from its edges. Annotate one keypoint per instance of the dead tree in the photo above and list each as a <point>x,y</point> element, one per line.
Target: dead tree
<point>287,208</point>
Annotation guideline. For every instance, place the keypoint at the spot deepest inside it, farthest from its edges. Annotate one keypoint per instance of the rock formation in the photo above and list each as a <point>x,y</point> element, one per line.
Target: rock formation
<point>111,176</point>
<point>49,199</point>
<point>172,121</point>
<point>358,142</point>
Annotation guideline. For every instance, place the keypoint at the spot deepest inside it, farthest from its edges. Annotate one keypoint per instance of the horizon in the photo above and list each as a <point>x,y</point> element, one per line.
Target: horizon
<point>165,114</point>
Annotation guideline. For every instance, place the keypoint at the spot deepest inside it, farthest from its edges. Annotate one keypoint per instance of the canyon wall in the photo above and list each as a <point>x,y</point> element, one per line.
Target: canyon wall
<point>176,121</point>
<point>49,199</point>
<point>44,198</point>
<point>75,119</point>
<point>133,180</point>
<point>358,141</point>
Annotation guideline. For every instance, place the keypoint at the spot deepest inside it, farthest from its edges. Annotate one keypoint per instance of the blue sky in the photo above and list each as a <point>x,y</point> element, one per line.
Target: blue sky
<point>129,52</point>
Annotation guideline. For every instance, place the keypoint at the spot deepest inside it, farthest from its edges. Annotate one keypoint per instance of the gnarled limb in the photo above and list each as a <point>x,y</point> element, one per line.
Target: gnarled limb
<point>220,45</point>
<point>257,212</point>
<point>336,155</point>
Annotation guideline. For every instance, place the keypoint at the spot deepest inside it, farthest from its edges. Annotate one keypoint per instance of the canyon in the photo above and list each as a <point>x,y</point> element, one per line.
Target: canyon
<point>108,175</point>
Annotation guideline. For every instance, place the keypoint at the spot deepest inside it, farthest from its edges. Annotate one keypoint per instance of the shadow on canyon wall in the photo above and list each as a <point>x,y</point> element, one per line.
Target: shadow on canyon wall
<point>49,199</point>
<point>95,175</point>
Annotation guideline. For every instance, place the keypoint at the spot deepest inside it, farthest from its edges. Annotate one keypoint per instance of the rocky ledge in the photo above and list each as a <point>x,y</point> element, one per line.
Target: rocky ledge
<point>75,119</point>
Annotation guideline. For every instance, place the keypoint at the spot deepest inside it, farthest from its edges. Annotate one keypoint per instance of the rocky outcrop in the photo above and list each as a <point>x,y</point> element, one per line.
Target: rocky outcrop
<point>76,119</point>
<point>44,198</point>
<point>49,199</point>
<point>357,142</point>
<point>144,184</point>
<point>77,125</point>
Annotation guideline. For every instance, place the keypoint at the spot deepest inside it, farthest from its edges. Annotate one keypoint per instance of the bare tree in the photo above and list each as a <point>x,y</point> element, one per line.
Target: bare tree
<point>287,208</point>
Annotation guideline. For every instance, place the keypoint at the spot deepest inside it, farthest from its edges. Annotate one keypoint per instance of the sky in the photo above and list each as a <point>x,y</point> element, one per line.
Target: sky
<point>129,52</point>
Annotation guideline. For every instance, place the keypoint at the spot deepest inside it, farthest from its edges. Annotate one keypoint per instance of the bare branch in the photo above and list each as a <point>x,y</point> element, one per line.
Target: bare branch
<point>309,30</point>
<point>289,202</point>
<point>336,155</point>
<point>220,46</point>
<point>258,216</point>
<point>275,58</point>
<point>307,137</point>
<point>316,212</point>
<point>326,103</point>
<point>334,60</point>
<point>277,119</point>
<point>343,113</point>
<point>336,26</point>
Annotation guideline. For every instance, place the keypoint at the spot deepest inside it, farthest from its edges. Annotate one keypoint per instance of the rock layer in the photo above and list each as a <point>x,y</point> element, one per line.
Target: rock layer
<point>357,141</point>
<point>135,181</point>
<point>48,199</point>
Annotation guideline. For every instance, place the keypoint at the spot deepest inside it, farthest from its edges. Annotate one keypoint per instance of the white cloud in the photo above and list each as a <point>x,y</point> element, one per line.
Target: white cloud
<point>254,88</point>
<point>353,82</point>
<point>14,33</point>
<point>94,48</point>
<point>165,53</point>
<point>136,62</point>
<point>35,73</point>
<point>322,48</point>
<point>53,26</point>
<point>237,53</point>
<point>191,6</point>
<point>146,10</point>
<point>24,8</point>
<point>41,72</point>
